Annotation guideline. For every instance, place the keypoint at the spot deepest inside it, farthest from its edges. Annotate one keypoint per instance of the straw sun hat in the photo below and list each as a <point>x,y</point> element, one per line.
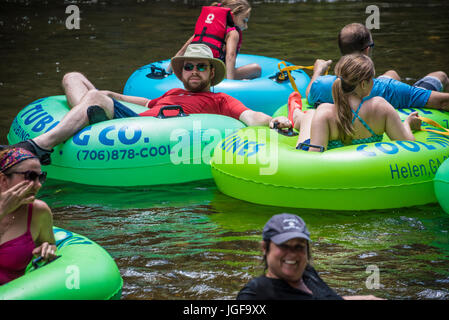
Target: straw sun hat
<point>199,51</point>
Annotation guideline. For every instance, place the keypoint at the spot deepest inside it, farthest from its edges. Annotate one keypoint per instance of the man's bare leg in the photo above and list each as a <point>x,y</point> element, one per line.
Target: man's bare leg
<point>75,86</point>
<point>75,119</point>
<point>438,100</point>
<point>392,74</point>
<point>442,76</point>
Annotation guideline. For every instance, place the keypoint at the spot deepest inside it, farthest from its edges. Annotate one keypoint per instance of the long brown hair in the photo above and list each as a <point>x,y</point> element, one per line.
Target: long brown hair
<point>351,70</point>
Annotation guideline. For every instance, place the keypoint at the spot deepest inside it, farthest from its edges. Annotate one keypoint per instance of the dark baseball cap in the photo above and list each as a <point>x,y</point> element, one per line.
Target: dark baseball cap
<point>283,227</point>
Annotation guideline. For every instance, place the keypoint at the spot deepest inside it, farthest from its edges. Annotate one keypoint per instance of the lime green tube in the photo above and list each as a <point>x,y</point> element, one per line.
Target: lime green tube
<point>441,185</point>
<point>259,165</point>
<point>127,152</point>
<point>83,271</point>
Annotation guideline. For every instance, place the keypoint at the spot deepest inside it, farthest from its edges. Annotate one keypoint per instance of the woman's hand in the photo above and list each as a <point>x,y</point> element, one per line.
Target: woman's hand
<point>413,121</point>
<point>15,196</point>
<point>46,251</point>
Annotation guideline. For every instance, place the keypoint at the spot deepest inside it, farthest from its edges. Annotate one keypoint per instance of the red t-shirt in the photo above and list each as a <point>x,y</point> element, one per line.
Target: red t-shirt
<point>199,102</point>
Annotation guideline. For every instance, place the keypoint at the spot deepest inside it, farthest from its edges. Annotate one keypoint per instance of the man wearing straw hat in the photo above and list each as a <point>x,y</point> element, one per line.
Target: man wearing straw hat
<point>197,69</point>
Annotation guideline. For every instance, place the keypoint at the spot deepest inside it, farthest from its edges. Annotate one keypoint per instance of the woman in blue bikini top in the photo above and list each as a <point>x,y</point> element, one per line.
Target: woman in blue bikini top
<point>332,144</point>
<point>352,120</point>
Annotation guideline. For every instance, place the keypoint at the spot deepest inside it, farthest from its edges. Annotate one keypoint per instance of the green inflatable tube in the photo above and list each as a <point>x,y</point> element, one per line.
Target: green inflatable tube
<point>259,165</point>
<point>441,185</point>
<point>136,151</point>
<point>82,271</point>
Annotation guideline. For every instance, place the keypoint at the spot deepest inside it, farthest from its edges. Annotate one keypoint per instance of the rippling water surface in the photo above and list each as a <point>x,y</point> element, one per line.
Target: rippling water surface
<point>190,241</point>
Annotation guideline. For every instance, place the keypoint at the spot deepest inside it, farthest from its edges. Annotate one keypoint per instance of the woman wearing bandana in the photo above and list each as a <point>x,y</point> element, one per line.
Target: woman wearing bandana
<point>25,222</point>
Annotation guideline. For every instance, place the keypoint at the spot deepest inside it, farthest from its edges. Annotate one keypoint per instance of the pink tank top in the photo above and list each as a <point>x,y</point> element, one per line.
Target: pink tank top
<point>17,253</point>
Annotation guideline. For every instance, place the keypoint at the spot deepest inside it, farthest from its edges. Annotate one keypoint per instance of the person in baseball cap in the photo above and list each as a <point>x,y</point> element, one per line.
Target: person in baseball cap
<point>288,274</point>
<point>283,227</point>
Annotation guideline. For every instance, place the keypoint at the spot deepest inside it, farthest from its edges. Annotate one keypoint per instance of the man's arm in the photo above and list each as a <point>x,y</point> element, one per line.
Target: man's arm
<point>117,96</point>
<point>319,68</point>
<point>232,107</point>
<point>254,118</point>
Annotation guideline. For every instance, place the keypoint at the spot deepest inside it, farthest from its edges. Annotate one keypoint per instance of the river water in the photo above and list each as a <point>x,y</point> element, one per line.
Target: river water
<point>190,241</point>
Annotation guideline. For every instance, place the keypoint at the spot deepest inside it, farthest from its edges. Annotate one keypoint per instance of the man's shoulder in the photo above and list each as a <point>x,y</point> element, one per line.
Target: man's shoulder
<point>222,97</point>
<point>321,90</point>
<point>202,93</point>
<point>388,82</point>
<point>390,89</point>
<point>184,92</point>
<point>217,94</point>
<point>325,80</point>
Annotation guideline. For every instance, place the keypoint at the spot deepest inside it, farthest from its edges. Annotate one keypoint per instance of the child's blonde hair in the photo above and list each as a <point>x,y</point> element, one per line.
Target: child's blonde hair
<point>237,6</point>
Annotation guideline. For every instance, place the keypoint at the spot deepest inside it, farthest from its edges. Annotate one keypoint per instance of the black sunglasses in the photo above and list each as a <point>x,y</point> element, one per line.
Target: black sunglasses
<point>200,66</point>
<point>32,175</point>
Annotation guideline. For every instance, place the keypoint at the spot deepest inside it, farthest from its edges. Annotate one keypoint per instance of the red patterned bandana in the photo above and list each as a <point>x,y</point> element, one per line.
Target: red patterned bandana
<point>13,157</point>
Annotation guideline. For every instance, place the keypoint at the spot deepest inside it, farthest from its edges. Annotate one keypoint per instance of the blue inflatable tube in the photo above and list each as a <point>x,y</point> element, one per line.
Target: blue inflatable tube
<point>263,94</point>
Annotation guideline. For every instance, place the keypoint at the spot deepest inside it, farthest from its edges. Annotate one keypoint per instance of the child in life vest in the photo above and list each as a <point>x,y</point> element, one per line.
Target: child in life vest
<point>220,27</point>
